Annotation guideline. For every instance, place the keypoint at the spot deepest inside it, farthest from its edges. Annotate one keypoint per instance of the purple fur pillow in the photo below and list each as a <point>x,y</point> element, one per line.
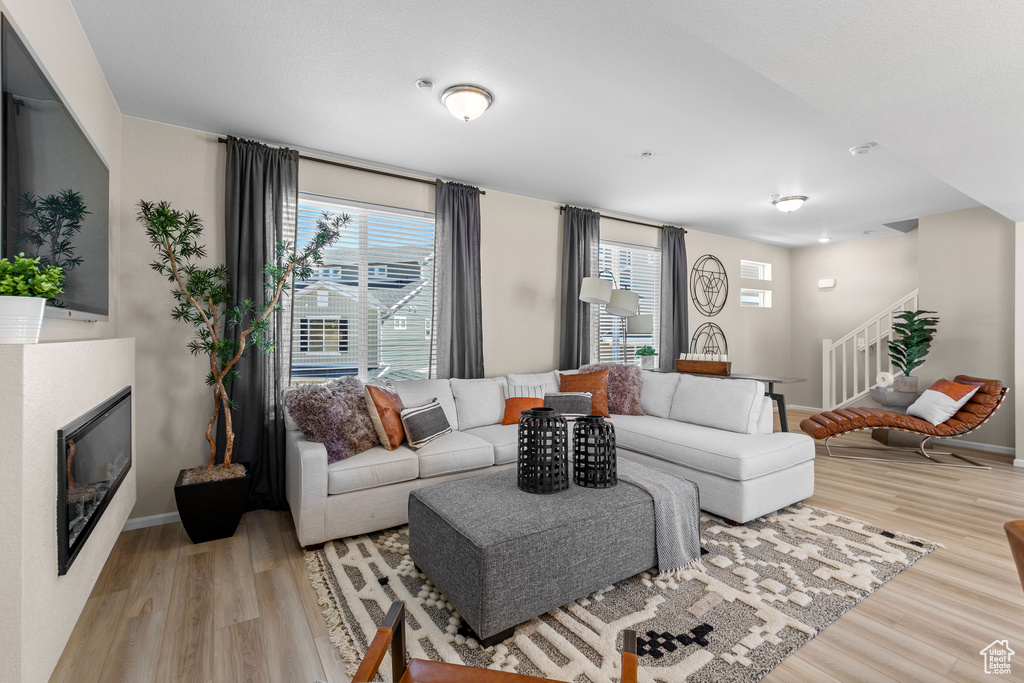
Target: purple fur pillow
<point>625,383</point>
<point>334,414</point>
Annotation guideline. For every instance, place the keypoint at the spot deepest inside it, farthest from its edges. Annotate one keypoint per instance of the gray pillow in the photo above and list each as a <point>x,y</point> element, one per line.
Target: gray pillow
<point>424,423</point>
<point>571,404</point>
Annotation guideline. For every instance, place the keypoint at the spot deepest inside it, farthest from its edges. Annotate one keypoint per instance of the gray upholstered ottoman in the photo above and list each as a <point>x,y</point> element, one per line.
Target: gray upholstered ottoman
<point>502,556</point>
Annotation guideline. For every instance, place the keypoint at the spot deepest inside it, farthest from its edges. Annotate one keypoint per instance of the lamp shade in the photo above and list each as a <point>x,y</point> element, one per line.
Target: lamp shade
<point>595,290</point>
<point>623,303</point>
<point>640,324</point>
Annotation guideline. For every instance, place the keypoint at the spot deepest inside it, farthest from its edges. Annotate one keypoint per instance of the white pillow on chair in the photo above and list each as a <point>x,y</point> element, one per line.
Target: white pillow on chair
<point>941,401</point>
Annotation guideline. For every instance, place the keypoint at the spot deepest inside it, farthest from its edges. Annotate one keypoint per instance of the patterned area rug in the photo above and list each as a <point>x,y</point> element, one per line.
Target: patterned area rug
<point>767,588</point>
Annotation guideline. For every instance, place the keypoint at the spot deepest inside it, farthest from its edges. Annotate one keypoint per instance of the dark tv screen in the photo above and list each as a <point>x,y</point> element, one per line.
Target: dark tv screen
<point>56,187</point>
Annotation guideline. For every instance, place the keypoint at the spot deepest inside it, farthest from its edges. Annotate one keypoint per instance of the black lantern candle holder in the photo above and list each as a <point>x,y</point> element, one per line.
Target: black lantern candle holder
<point>593,453</point>
<point>543,456</point>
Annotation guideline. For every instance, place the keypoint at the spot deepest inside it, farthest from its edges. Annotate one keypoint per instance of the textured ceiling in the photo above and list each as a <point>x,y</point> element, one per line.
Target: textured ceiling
<point>580,88</point>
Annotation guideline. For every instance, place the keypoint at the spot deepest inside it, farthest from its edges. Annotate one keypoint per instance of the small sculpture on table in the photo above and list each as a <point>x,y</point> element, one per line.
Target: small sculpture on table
<point>594,458</point>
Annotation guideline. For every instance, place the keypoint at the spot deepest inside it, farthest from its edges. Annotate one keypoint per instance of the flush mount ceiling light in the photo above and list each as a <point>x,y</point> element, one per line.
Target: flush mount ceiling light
<point>788,204</point>
<point>466,102</point>
<point>823,240</point>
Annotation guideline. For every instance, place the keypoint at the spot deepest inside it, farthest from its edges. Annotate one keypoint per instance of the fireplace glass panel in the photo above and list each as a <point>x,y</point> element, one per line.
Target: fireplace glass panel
<point>94,454</point>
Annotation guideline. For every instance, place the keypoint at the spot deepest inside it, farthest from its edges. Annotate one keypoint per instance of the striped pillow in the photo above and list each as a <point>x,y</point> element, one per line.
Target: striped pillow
<point>571,404</point>
<point>424,423</point>
<point>523,391</point>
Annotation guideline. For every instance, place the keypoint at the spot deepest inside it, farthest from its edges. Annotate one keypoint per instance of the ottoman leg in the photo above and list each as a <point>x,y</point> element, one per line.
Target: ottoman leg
<point>497,637</point>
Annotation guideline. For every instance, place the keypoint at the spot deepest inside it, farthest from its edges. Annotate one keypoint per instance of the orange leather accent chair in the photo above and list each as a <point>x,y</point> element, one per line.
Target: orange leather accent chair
<point>973,414</point>
<point>392,633</point>
<point>1015,534</point>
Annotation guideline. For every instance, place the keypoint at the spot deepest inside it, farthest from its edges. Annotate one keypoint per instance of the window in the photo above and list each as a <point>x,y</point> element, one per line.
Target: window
<point>638,269</point>
<point>755,270</point>
<point>323,335</point>
<point>378,278</point>
<point>426,328</point>
<point>756,298</point>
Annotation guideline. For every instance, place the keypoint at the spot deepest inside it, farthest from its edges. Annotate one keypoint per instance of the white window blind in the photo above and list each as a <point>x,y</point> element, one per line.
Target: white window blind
<point>755,270</point>
<point>378,279</point>
<point>638,269</point>
<point>756,298</point>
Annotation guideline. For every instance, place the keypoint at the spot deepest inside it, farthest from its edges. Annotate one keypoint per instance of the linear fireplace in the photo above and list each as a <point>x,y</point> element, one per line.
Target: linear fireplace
<point>94,453</point>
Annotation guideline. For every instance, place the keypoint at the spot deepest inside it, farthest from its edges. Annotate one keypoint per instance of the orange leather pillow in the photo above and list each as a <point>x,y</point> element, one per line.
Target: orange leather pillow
<point>516,405</point>
<point>954,390</point>
<point>385,408</point>
<point>594,382</point>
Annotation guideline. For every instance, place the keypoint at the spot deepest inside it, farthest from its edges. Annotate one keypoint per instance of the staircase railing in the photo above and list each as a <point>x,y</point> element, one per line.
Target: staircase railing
<point>850,365</point>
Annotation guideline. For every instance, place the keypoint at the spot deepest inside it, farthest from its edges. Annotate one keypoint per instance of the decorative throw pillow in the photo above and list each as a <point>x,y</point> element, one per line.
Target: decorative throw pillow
<point>571,404</point>
<point>520,397</point>
<point>941,401</point>
<point>334,414</point>
<point>424,423</point>
<point>625,385</point>
<point>385,409</point>
<point>594,382</point>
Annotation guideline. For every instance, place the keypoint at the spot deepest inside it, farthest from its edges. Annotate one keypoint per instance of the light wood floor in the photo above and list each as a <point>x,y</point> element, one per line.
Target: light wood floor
<point>241,609</point>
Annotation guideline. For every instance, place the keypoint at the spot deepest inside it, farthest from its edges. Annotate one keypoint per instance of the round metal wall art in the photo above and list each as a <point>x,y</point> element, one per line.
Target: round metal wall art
<point>709,285</point>
<point>709,338</point>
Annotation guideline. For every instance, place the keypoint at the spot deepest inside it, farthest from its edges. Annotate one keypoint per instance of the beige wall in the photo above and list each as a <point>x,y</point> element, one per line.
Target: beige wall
<point>53,34</point>
<point>173,404</point>
<point>870,274</point>
<point>759,338</point>
<point>966,274</point>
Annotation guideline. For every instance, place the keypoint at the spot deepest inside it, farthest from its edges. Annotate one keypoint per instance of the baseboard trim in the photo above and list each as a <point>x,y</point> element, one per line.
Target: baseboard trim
<point>811,408</point>
<point>152,520</point>
<point>1018,463</point>
<point>986,447</point>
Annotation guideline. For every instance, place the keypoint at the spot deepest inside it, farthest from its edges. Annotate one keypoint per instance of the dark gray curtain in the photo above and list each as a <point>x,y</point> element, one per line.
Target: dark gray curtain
<point>457,310</point>
<point>675,307</point>
<point>260,211</point>
<point>581,237</point>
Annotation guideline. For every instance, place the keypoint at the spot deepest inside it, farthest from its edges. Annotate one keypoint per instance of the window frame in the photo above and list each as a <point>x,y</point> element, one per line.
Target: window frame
<point>343,337</point>
<point>764,270</point>
<point>764,297</point>
<point>629,274</point>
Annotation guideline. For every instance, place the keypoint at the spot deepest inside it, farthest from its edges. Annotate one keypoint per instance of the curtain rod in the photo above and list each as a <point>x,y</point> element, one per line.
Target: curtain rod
<point>561,209</point>
<point>329,162</point>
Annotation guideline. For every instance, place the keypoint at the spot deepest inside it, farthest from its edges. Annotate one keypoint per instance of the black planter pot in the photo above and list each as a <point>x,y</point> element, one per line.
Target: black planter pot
<point>212,509</point>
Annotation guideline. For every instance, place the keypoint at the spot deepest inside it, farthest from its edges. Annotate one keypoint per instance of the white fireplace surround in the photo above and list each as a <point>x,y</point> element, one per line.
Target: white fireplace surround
<point>42,388</point>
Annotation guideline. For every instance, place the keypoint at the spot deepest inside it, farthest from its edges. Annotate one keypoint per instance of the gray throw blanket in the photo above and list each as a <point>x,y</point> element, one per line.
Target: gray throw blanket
<point>676,515</point>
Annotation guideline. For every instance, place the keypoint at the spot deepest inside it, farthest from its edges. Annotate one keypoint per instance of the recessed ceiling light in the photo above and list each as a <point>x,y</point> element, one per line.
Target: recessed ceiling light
<point>646,155</point>
<point>788,204</point>
<point>824,239</point>
<point>424,84</point>
<point>466,102</point>
<point>862,149</point>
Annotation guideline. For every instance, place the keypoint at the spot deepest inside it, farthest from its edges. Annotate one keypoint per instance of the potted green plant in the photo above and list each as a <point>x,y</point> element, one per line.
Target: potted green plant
<point>211,498</point>
<point>912,339</point>
<point>24,288</point>
<point>647,357</point>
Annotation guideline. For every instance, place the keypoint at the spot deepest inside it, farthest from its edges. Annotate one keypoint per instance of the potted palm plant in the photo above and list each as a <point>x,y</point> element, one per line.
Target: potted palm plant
<point>911,342</point>
<point>211,498</point>
<point>24,288</point>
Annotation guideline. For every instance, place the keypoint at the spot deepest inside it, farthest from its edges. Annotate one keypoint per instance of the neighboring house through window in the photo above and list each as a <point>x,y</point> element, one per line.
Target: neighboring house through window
<point>376,280</point>
<point>638,269</point>
<point>322,335</point>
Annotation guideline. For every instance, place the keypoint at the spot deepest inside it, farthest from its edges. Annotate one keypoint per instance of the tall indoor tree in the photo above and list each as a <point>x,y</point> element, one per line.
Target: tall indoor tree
<point>202,293</point>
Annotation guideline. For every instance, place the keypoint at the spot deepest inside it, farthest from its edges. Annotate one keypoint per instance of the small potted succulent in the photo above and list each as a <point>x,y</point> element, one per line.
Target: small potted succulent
<point>212,498</point>
<point>647,354</point>
<point>24,288</point>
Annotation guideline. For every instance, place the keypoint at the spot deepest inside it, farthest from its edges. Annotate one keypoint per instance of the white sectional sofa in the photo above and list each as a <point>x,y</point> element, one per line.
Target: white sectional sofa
<point>714,432</point>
